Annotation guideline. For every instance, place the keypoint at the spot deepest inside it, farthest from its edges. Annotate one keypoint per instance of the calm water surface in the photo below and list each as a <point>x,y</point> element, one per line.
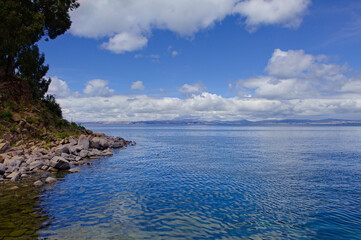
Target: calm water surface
<point>214,182</point>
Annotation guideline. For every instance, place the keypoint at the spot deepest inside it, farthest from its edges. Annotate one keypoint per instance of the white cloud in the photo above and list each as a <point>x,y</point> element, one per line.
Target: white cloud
<point>288,13</point>
<point>138,85</point>
<point>125,42</point>
<point>205,106</point>
<point>294,74</point>
<point>189,89</point>
<point>314,88</point>
<point>129,24</point>
<point>97,87</point>
<point>59,88</point>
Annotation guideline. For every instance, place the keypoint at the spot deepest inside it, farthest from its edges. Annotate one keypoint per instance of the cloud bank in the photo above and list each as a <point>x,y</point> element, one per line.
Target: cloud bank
<point>296,85</point>
<point>127,25</point>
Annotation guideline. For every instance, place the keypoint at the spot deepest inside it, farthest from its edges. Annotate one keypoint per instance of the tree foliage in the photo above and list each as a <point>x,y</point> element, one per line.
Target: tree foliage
<point>22,24</point>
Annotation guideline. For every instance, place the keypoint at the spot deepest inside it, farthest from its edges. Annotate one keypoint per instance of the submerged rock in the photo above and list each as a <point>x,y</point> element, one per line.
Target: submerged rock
<point>50,180</point>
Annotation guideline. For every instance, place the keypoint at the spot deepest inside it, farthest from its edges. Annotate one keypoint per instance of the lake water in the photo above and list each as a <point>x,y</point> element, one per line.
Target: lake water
<point>213,182</point>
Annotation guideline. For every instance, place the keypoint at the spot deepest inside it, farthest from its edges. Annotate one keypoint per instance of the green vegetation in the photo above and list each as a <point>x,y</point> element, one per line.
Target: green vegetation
<point>26,112</point>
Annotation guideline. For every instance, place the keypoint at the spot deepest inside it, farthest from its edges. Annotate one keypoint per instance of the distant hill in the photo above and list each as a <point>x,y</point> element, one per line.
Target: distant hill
<point>336,122</point>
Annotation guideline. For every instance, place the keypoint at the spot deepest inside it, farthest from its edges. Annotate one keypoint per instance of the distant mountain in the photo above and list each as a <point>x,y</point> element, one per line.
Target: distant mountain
<point>329,121</point>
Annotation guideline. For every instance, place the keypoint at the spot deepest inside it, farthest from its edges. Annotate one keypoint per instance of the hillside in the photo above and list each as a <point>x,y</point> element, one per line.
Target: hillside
<point>25,121</point>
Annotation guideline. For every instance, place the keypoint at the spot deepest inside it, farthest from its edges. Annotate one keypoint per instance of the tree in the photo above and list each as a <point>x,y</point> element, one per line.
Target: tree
<point>22,24</point>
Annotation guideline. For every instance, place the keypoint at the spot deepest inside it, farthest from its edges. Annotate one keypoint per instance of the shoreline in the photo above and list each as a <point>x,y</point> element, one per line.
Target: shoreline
<point>28,161</point>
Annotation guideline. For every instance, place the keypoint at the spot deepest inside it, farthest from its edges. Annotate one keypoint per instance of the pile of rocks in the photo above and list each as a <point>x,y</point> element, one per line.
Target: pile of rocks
<point>19,162</point>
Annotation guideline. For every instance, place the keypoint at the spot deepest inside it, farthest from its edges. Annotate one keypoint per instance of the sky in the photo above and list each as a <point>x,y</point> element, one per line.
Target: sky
<point>208,60</point>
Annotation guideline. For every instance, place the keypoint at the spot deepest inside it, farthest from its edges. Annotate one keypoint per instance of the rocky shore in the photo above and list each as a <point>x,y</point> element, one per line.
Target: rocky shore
<point>34,159</point>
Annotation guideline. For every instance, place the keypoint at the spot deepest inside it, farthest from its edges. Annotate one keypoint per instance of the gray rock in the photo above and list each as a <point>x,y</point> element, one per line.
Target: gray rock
<point>75,149</point>
<point>83,153</point>
<point>62,149</point>
<point>74,170</point>
<point>2,169</point>
<point>50,180</point>
<point>13,162</point>
<point>59,163</point>
<point>72,141</point>
<point>83,142</point>
<point>35,165</point>
<point>95,142</point>
<point>15,176</point>
<point>103,143</point>
<point>4,146</point>
<point>38,183</point>
<point>117,145</point>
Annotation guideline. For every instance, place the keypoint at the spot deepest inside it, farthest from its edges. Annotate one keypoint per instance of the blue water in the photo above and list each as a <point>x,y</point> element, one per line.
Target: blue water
<point>214,182</point>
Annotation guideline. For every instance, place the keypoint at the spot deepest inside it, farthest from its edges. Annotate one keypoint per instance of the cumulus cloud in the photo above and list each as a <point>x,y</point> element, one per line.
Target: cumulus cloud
<point>59,88</point>
<point>205,106</point>
<point>129,24</point>
<point>294,74</point>
<point>296,85</point>
<point>190,89</point>
<point>138,85</point>
<point>93,88</point>
<point>288,13</point>
<point>97,87</point>
<point>125,42</point>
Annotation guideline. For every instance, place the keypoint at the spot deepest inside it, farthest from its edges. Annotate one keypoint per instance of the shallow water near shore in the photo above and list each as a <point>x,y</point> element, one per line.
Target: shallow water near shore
<point>209,182</point>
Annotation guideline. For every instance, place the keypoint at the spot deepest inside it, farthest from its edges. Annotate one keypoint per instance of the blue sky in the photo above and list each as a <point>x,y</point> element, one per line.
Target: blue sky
<point>208,60</point>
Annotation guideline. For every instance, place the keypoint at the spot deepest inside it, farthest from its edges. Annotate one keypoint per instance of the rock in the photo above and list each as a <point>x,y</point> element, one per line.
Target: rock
<point>75,149</point>
<point>50,180</point>
<point>99,134</point>
<point>2,169</point>
<point>1,159</point>
<point>13,162</point>
<point>77,158</point>
<point>4,146</point>
<point>38,183</point>
<point>107,153</point>
<point>72,141</point>
<point>59,163</point>
<point>62,149</point>
<point>14,176</point>
<point>83,142</point>
<point>35,165</point>
<point>74,170</point>
<point>14,188</point>
<point>95,143</point>
<point>103,143</point>
<point>117,145</point>
<point>83,153</point>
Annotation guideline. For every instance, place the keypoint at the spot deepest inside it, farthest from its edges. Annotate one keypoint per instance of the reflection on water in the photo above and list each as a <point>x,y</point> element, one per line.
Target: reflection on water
<point>213,182</point>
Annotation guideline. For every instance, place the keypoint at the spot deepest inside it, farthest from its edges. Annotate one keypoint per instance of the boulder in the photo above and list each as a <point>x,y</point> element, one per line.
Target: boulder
<point>72,141</point>
<point>59,163</point>
<point>50,180</point>
<point>35,165</point>
<point>83,153</point>
<point>83,142</point>
<point>38,183</point>
<point>2,169</point>
<point>117,145</point>
<point>13,162</point>
<point>14,176</point>
<point>95,142</point>
<point>75,149</point>
<point>4,146</point>
<point>62,149</point>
